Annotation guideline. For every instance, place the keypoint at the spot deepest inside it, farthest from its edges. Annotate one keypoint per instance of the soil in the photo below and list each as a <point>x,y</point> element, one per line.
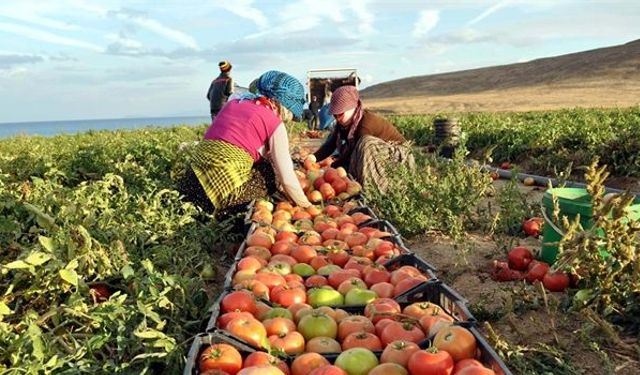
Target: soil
<point>517,312</point>
<point>525,318</point>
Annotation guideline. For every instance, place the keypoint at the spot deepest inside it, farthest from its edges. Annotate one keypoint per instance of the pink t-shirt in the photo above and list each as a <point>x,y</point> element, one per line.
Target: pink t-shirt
<point>245,124</point>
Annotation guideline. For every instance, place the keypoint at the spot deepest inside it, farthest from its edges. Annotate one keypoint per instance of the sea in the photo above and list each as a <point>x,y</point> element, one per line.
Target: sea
<point>51,128</point>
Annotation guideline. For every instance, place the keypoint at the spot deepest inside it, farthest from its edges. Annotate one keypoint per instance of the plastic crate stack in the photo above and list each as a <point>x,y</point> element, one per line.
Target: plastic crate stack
<point>385,251</point>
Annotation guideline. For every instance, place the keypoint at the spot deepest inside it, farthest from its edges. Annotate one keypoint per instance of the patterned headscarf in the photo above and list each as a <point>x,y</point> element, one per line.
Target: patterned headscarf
<point>283,87</point>
<point>344,99</point>
<point>224,66</point>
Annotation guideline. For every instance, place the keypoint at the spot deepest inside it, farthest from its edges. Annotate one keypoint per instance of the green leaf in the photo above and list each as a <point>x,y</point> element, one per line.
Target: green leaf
<point>127,272</point>
<point>47,243</point>
<point>149,333</point>
<point>37,258</point>
<point>4,309</point>
<point>18,264</point>
<point>35,334</point>
<point>72,265</point>
<point>69,276</point>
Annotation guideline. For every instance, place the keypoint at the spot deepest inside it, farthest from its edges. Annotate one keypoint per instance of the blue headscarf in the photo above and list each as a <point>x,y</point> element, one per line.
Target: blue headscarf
<point>284,88</point>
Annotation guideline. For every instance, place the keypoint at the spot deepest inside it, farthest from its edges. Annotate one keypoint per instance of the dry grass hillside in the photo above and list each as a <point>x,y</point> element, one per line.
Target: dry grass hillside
<point>604,77</point>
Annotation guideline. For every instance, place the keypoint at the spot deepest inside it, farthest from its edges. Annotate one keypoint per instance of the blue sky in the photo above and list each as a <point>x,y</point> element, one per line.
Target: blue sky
<point>80,59</point>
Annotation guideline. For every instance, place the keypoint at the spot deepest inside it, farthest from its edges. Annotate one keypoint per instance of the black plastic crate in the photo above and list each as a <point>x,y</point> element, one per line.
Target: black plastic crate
<point>441,294</point>
<point>407,258</point>
<point>202,341</point>
<point>488,356</point>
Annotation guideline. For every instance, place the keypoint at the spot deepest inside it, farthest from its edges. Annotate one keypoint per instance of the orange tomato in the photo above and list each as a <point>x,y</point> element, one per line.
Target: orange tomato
<point>222,357</point>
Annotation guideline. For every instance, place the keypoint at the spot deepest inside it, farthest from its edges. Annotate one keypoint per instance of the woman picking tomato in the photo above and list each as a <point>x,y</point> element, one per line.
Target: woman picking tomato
<point>230,167</point>
<point>367,144</point>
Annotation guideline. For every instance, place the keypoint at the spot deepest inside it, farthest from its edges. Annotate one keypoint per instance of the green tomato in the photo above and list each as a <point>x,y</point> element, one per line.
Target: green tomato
<point>328,269</point>
<point>303,269</point>
<point>324,297</point>
<point>317,324</point>
<point>278,312</point>
<point>357,361</point>
<point>358,296</point>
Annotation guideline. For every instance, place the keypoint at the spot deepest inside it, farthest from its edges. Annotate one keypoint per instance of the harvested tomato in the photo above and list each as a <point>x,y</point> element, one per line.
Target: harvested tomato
<point>532,227</point>
<point>239,301</point>
<point>249,330</point>
<point>365,340</point>
<point>305,363</point>
<point>537,270</point>
<point>469,362</point>
<point>323,345</point>
<point>402,331</point>
<point>262,358</point>
<point>556,281</point>
<point>222,357</point>
<point>502,272</point>
<point>430,361</point>
<point>457,341</point>
<point>290,343</point>
<point>519,258</point>
<point>399,352</point>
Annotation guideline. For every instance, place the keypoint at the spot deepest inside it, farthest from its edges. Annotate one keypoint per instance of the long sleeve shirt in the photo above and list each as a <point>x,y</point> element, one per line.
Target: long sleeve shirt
<point>370,124</point>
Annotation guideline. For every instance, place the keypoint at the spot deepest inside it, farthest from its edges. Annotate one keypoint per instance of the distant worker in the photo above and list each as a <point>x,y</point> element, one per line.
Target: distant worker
<point>367,143</point>
<point>221,88</point>
<point>314,109</point>
<point>327,121</point>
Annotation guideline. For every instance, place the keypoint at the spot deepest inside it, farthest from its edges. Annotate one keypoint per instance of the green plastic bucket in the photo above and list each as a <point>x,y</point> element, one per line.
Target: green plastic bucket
<point>571,201</point>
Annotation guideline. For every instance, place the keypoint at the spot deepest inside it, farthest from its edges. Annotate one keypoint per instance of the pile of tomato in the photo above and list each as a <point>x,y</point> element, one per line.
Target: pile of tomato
<point>332,290</point>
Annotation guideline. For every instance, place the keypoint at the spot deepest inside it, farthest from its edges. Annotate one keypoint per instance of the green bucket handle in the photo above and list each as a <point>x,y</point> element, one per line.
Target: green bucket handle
<point>548,220</point>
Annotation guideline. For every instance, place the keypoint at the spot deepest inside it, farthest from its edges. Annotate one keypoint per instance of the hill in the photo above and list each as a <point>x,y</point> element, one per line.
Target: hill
<point>604,77</point>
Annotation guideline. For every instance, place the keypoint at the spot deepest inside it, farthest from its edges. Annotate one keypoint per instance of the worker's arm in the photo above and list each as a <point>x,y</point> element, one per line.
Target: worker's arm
<point>283,166</point>
<point>328,147</point>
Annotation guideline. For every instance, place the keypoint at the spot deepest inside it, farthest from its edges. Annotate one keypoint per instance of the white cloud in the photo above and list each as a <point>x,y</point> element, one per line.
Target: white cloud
<point>427,20</point>
<point>365,17</point>
<point>492,9</point>
<point>245,9</point>
<point>47,37</point>
<point>154,26</point>
<point>30,15</point>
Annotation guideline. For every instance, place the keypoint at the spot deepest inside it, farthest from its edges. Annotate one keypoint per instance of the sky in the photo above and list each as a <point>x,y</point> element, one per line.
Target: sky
<point>82,59</point>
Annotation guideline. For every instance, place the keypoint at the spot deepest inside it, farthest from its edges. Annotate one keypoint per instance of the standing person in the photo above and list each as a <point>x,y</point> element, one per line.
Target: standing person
<point>314,108</point>
<point>220,89</point>
<point>326,120</point>
<point>367,143</point>
<point>231,167</point>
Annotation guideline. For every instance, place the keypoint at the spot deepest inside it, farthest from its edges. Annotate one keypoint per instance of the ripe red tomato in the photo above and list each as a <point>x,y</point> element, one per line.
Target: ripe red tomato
<point>101,292</point>
<point>556,281</point>
<point>532,227</point>
<point>519,258</point>
<point>401,331</point>
<point>425,362</point>
<point>536,271</point>
<point>222,357</point>
<point>365,340</point>
<point>240,300</point>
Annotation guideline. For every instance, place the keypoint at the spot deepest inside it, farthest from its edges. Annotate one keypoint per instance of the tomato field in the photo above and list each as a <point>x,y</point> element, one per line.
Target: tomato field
<point>105,269</point>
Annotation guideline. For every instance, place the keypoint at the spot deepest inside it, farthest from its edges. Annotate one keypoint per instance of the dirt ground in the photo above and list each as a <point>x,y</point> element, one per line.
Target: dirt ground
<point>526,317</point>
<point>517,312</point>
<point>532,98</point>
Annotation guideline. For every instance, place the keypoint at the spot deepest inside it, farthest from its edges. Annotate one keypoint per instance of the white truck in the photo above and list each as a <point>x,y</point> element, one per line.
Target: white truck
<point>322,81</point>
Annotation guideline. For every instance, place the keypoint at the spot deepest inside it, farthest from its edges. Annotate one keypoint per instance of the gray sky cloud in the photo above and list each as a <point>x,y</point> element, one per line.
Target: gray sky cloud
<point>12,60</point>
